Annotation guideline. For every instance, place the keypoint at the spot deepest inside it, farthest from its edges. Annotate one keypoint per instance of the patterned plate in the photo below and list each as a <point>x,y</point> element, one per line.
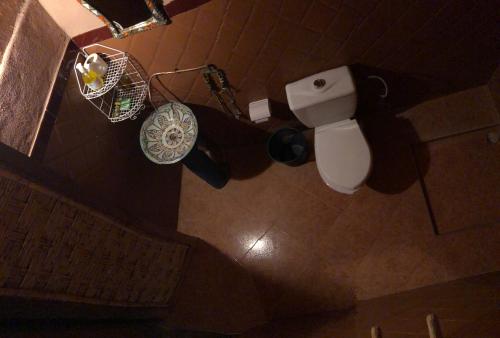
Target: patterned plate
<point>169,134</point>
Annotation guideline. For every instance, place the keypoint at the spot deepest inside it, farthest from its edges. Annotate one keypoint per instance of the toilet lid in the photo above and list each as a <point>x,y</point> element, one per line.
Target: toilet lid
<point>342,154</point>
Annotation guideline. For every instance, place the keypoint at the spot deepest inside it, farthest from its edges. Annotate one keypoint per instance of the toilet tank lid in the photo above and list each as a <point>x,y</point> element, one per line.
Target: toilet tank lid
<point>319,88</point>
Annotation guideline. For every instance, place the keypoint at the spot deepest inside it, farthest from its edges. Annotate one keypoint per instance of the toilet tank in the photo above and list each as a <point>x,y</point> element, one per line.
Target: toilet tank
<point>323,98</point>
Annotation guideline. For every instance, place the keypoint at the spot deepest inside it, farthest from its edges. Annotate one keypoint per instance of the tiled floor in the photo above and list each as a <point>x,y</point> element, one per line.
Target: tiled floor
<point>463,182</point>
<point>310,248</point>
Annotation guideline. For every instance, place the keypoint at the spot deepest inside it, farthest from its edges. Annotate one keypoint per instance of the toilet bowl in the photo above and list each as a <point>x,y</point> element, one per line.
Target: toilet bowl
<point>342,155</point>
<point>327,102</point>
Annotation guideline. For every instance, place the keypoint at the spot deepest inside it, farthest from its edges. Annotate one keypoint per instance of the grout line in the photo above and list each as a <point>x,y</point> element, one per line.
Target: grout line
<point>217,36</point>
<point>429,20</point>
<point>232,54</point>
<point>407,11</point>
<point>455,42</point>
<point>471,227</point>
<point>219,30</point>
<point>459,133</point>
<point>280,16</point>
<point>320,200</point>
<point>184,49</point>
<point>155,54</point>
<point>361,23</point>
<point>252,11</point>
<point>246,252</point>
<point>435,228</point>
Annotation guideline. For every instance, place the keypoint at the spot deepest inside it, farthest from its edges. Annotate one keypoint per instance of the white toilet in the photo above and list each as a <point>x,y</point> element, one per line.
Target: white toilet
<point>327,102</point>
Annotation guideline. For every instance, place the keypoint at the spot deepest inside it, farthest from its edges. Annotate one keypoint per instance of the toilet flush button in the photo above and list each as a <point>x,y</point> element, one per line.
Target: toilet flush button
<point>319,83</point>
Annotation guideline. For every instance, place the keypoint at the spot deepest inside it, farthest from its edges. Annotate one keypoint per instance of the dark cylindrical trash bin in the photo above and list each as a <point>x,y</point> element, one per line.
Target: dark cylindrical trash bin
<point>288,146</point>
<point>206,168</point>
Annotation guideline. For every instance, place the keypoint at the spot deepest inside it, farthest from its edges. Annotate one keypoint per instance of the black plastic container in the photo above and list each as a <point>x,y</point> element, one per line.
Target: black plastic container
<point>288,146</point>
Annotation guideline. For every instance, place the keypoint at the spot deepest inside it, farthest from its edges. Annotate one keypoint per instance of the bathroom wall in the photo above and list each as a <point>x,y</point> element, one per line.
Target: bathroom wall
<point>28,69</point>
<point>264,44</point>
<point>467,308</point>
<point>71,16</point>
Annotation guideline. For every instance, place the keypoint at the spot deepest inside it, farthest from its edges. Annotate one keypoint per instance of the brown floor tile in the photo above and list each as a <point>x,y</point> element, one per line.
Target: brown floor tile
<point>481,244</point>
<point>318,17</point>
<point>357,229</point>
<point>456,113</point>
<point>259,196</point>
<point>384,262</point>
<point>277,251</point>
<point>320,288</point>
<point>308,247</point>
<point>216,295</point>
<point>140,46</point>
<point>463,180</point>
<point>276,261</point>
<point>211,215</point>
<point>307,178</point>
<point>310,227</point>
<point>367,244</point>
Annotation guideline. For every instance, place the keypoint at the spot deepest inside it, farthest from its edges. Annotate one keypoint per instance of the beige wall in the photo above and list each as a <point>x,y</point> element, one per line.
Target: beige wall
<point>71,16</point>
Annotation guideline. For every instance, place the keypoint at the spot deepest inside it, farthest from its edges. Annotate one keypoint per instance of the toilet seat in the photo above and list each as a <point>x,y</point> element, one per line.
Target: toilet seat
<point>343,156</point>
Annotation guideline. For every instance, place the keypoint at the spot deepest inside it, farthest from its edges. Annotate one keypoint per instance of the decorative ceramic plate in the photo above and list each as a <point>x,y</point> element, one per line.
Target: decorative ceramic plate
<point>169,134</point>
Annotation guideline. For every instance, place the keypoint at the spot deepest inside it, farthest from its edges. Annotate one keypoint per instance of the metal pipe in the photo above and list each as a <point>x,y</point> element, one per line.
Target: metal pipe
<point>169,73</point>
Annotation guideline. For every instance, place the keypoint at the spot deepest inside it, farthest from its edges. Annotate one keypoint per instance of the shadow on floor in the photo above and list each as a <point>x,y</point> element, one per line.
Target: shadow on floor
<point>390,136</point>
<point>285,301</point>
<point>240,144</point>
<point>214,281</point>
<point>304,326</point>
<point>218,292</point>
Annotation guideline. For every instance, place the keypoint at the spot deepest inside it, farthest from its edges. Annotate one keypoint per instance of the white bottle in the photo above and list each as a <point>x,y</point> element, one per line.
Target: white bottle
<point>95,63</point>
<point>90,78</point>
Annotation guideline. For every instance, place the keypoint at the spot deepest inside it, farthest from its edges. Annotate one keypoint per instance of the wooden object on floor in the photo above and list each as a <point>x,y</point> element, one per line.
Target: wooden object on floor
<point>433,326</point>
<point>376,332</point>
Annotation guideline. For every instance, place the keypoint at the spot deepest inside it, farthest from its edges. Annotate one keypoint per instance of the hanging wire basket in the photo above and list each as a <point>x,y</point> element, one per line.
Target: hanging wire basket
<point>121,83</point>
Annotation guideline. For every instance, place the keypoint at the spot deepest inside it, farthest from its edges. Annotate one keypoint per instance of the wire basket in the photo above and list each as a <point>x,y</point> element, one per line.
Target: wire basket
<point>122,81</point>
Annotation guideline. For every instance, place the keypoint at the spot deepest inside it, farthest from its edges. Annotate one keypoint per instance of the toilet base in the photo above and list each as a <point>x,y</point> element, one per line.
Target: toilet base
<point>339,188</point>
